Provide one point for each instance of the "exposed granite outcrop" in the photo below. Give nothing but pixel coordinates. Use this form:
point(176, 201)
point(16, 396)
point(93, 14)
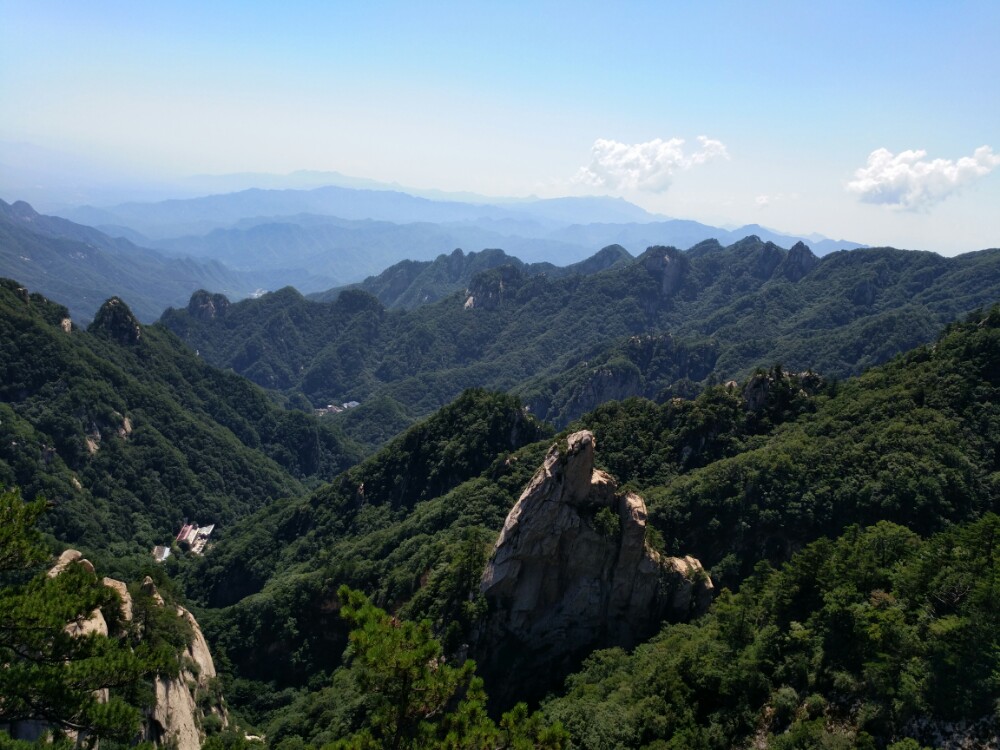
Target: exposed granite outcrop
point(798, 262)
point(669, 265)
point(571, 571)
point(764, 389)
point(175, 720)
point(207, 306)
point(490, 289)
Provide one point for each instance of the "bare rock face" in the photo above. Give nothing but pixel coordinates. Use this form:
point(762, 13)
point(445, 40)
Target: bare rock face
point(669, 265)
point(176, 719)
point(798, 262)
point(489, 290)
point(207, 306)
point(122, 590)
point(571, 570)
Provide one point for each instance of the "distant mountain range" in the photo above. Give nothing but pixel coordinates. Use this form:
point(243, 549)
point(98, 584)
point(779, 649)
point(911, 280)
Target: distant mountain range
point(318, 239)
point(339, 235)
point(82, 266)
point(199, 215)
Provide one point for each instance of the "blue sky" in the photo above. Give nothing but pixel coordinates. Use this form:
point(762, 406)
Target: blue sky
point(790, 99)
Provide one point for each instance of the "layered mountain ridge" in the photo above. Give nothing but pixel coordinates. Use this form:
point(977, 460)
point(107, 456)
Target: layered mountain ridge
point(82, 266)
point(666, 322)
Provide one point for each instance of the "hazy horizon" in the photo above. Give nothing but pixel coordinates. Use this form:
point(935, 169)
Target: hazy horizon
point(872, 124)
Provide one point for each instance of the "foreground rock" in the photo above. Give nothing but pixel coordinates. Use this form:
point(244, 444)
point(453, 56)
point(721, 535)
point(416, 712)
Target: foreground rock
point(178, 718)
point(571, 571)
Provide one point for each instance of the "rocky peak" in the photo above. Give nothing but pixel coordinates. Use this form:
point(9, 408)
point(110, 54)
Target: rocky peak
point(116, 321)
point(669, 265)
point(207, 306)
point(775, 389)
point(571, 570)
point(798, 262)
point(177, 717)
point(489, 290)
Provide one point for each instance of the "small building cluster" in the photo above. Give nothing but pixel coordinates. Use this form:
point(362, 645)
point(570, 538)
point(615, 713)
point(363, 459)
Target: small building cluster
point(192, 535)
point(336, 408)
point(195, 536)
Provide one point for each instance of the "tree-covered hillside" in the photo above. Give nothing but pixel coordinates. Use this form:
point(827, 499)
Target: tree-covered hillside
point(879, 638)
point(411, 283)
point(419, 513)
point(740, 476)
point(666, 323)
point(128, 432)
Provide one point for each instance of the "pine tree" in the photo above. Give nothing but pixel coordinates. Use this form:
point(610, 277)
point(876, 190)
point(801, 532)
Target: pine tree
point(47, 672)
point(418, 700)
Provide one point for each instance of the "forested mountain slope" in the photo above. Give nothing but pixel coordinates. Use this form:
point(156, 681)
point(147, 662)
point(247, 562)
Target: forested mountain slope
point(876, 639)
point(128, 433)
point(667, 322)
point(736, 476)
point(82, 267)
point(411, 283)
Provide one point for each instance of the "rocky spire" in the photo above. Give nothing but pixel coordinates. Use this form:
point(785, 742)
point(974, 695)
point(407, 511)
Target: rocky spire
point(571, 570)
point(116, 321)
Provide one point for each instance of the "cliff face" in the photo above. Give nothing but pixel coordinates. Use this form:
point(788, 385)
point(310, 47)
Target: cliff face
point(571, 570)
point(489, 290)
point(207, 306)
point(176, 720)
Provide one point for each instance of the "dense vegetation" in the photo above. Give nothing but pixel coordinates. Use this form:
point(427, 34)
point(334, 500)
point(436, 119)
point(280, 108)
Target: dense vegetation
point(411, 283)
point(128, 433)
point(872, 638)
point(667, 323)
point(397, 690)
point(736, 476)
point(853, 522)
point(411, 525)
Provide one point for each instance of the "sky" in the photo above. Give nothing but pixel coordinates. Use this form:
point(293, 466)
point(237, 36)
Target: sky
point(874, 122)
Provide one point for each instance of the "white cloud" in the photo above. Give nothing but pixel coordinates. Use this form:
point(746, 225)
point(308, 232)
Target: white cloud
point(908, 181)
point(763, 200)
point(647, 167)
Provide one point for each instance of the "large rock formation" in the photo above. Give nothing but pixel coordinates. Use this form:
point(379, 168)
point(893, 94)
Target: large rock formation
point(572, 571)
point(115, 320)
point(490, 289)
point(207, 306)
point(669, 265)
point(798, 262)
point(176, 720)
